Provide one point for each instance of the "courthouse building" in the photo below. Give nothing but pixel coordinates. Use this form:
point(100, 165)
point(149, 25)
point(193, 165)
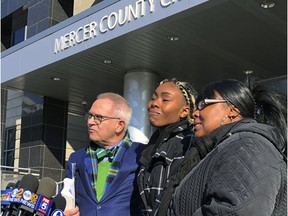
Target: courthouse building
point(58, 55)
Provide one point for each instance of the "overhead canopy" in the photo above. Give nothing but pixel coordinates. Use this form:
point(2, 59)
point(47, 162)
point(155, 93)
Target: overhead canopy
point(212, 40)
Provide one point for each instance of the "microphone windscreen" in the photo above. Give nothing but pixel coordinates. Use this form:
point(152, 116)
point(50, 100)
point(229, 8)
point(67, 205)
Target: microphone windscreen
point(59, 202)
point(30, 182)
point(47, 187)
point(10, 185)
point(17, 184)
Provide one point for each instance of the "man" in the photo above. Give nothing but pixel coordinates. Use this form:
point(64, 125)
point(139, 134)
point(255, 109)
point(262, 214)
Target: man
point(106, 184)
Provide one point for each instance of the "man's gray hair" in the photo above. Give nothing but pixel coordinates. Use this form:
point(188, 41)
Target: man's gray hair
point(121, 109)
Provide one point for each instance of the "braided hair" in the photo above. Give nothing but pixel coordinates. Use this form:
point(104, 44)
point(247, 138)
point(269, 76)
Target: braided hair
point(189, 93)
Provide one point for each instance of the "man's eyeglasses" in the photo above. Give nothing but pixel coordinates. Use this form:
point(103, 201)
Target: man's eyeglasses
point(98, 118)
point(205, 102)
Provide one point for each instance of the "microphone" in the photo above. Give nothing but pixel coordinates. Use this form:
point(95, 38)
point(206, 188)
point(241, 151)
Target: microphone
point(38, 203)
point(46, 189)
point(29, 182)
point(19, 195)
point(58, 206)
point(24, 196)
point(10, 185)
point(5, 195)
point(6, 206)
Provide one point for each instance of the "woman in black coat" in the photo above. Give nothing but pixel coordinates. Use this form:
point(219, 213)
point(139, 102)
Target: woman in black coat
point(170, 112)
point(244, 170)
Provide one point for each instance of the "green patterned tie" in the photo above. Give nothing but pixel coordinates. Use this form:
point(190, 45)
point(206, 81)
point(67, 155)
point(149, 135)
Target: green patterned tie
point(110, 153)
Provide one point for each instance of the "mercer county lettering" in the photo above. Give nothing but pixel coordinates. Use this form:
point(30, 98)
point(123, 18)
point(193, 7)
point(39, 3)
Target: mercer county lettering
point(108, 23)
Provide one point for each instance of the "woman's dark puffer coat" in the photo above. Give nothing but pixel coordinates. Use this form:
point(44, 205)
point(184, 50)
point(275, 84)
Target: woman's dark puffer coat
point(245, 174)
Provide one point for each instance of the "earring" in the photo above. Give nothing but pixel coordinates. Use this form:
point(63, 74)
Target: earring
point(222, 123)
point(231, 118)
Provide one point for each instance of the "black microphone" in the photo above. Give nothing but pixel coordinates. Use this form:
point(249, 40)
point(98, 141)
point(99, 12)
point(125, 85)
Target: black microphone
point(10, 185)
point(17, 185)
point(29, 182)
point(6, 206)
point(27, 186)
point(26, 192)
point(46, 189)
point(58, 206)
point(39, 203)
point(5, 195)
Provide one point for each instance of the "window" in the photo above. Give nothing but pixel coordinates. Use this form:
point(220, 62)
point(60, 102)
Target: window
point(19, 35)
point(67, 6)
point(14, 28)
point(9, 147)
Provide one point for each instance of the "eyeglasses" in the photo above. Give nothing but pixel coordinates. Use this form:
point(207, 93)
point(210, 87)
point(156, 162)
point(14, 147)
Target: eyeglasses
point(205, 102)
point(98, 118)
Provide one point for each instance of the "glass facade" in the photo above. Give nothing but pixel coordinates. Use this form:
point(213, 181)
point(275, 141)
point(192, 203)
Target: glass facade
point(23, 19)
point(34, 127)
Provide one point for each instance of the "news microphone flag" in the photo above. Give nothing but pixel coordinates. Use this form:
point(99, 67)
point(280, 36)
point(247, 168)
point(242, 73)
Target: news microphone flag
point(30, 202)
point(28, 182)
point(5, 195)
point(6, 207)
point(27, 201)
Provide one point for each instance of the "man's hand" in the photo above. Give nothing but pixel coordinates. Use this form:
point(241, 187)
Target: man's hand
point(72, 212)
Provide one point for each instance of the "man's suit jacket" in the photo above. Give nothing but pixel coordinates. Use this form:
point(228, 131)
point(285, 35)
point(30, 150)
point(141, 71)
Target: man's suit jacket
point(121, 198)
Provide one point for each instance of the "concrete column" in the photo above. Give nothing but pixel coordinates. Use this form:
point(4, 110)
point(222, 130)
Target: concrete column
point(138, 89)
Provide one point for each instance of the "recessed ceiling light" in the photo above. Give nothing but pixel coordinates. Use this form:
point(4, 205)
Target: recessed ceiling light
point(107, 61)
point(56, 78)
point(173, 38)
point(247, 72)
point(267, 4)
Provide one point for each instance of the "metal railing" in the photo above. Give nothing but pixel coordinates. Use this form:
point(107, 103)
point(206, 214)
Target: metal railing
point(13, 174)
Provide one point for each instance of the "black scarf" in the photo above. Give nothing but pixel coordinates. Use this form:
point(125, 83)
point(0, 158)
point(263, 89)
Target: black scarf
point(157, 138)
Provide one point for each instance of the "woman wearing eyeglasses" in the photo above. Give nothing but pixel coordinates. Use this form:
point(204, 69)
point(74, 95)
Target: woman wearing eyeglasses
point(170, 112)
point(243, 137)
